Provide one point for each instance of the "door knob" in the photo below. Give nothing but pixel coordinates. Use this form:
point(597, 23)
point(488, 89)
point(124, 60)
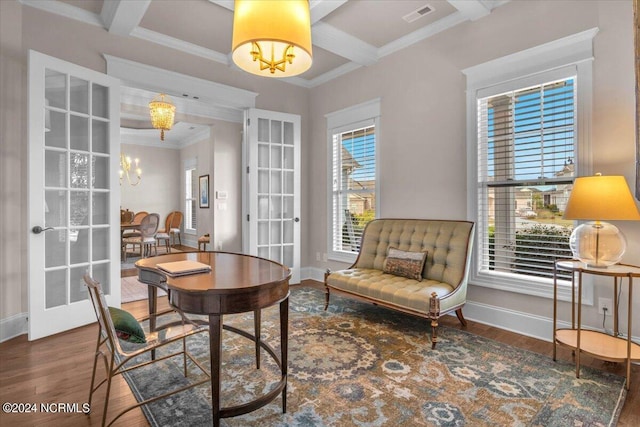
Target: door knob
point(37, 229)
point(296, 219)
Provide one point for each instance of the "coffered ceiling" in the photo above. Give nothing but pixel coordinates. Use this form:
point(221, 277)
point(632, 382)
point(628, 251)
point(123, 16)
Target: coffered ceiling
point(346, 35)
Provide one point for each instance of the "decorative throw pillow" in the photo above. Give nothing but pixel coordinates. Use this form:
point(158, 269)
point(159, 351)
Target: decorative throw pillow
point(127, 327)
point(405, 263)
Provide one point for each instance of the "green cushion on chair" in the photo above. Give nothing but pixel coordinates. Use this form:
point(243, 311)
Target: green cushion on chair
point(127, 327)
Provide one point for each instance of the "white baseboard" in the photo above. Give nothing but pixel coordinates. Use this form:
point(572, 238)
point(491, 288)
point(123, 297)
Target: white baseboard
point(13, 326)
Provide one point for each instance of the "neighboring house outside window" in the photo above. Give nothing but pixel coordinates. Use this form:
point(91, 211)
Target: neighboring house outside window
point(353, 190)
point(528, 135)
point(190, 197)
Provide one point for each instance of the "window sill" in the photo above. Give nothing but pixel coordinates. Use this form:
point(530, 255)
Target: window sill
point(347, 257)
point(542, 288)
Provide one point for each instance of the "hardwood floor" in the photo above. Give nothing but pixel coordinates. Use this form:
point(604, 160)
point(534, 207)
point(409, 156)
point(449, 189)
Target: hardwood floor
point(57, 369)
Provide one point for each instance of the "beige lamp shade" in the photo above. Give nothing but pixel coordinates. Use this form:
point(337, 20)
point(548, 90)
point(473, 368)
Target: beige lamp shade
point(601, 198)
point(272, 37)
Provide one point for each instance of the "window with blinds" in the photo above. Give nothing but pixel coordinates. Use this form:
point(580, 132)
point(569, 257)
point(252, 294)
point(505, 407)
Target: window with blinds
point(526, 168)
point(353, 186)
point(191, 192)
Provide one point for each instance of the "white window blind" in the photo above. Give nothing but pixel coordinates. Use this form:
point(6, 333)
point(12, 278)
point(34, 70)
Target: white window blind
point(526, 167)
point(353, 186)
point(191, 190)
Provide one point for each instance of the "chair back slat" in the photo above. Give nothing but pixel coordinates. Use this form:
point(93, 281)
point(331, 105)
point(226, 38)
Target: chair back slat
point(107, 328)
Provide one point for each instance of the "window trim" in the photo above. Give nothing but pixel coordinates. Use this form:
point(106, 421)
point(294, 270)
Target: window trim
point(360, 115)
point(572, 54)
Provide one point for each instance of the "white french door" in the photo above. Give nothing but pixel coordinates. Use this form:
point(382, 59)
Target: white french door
point(272, 185)
point(74, 192)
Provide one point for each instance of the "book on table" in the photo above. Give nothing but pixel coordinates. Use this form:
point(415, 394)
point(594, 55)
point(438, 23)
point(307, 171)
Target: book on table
point(182, 268)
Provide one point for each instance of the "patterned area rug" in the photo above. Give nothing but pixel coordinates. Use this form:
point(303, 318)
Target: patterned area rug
point(362, 365)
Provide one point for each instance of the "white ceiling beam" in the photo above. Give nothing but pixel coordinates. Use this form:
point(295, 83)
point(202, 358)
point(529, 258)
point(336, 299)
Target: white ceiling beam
point(471, 9)
point(343, 44)
point(321, 8)
point(121, 17)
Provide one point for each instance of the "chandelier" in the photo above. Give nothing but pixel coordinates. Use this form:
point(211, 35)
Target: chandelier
point(272, 37)
point(126, 169)
point(162, 112)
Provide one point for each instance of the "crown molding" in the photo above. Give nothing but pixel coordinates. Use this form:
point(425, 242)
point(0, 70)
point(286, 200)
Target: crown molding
point(66, 10)
point(138, 75)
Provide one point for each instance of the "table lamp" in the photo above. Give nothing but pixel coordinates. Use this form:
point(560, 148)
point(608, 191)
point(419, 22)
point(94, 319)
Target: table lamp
point(596, 199)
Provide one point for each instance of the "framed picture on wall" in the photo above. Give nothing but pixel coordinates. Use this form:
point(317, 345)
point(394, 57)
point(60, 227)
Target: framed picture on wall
point(204, 191)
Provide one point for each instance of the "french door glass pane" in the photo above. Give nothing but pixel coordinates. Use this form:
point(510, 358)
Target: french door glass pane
point(55, 91)
point(263, 181)
point(56, 135)
point(100, 101)
point(77, 289)
point(276, 132)
point(276, 157)
point(55, 248)
point(100, 244)
point(276, 233)
point(100, 208)
point(287, 255)
point(263, 233)
point(79, 245)
point(287, 235)
point(263, 155)
point(55, 208)
point(55, 288)
point(276, 182)
point(79, 133)
point(100, 173)
point(100, 136)
point(100, 272)
point(79, 95)
point(263, 130)
point(55, 168)
point(79, 208)
point(288, 133)
point(79, 170)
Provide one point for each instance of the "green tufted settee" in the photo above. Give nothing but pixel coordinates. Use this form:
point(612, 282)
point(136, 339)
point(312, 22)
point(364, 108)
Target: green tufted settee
point(443, 287)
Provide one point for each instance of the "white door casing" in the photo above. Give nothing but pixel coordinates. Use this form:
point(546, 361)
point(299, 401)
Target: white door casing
point(271, 148)
point(74, 192)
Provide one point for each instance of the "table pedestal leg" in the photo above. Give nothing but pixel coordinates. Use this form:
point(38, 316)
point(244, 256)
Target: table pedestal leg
point(215, 351)
point(256, 330)
point(284, 347)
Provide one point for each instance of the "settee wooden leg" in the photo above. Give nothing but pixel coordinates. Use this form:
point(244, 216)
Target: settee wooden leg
point(434, 315)
point(434, 333)
point(461, 317)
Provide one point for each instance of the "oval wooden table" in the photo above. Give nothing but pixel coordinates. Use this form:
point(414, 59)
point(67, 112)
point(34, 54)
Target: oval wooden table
point(236, 284)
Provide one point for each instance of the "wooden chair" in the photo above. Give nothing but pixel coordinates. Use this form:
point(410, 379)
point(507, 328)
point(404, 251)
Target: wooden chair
point(137, 218)
point(162, 236)
point(115, 358)
point(147, 238)
point(171, 229)
point(174, 229)
point(126, 216)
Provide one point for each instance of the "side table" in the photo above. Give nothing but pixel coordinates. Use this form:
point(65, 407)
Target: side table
point(600, 345)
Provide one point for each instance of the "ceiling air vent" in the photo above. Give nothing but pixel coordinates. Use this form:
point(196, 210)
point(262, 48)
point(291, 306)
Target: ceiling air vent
point(419, 13)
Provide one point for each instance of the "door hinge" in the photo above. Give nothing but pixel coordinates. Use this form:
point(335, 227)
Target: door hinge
point(248, 122)
point(247, 217)
point(247, 169)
